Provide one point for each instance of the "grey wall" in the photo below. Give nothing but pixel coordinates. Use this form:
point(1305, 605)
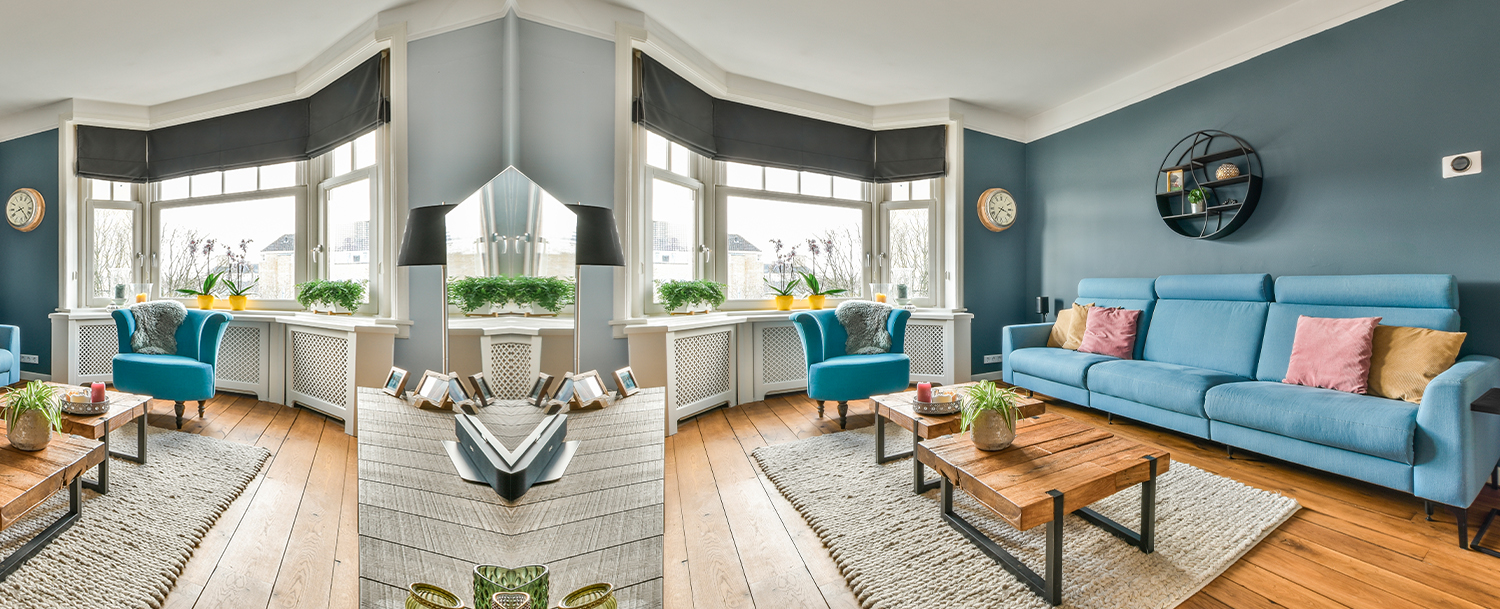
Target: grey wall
point(994, 263)
point(1351, 124)
point(30, 259)
point(501, 93)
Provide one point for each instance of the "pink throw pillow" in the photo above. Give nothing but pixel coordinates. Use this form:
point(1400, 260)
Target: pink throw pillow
point(1110, 332)
point(1332, 353)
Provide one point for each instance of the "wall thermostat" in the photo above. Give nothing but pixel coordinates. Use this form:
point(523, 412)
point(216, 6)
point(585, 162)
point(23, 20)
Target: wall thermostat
point(1461, 164)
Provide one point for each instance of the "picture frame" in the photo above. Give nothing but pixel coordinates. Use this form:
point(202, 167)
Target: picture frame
point(1174, 180)
point(589, 391)
point(537, 396)
point(625, 382)
point(395, 383)
point(564, 393)
point(432, 389)
point(482, 392)
point(457, 391)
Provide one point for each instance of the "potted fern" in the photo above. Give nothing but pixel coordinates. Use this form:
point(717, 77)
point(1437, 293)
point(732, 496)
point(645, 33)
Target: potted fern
point(470, 294)
point(545, 295)
point(991, 413)
point(815, 292)
point(686, 297)
point(31, 414)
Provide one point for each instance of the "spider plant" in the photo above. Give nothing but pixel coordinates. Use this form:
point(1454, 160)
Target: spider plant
point(986, 396)
point(38, 396)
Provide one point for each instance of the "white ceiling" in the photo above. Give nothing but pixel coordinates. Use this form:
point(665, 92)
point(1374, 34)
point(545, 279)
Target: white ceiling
point(146, 52)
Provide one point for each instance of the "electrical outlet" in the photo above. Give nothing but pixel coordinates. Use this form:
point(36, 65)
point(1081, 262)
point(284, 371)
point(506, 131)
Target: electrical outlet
point(28, 359)
point(992, 359)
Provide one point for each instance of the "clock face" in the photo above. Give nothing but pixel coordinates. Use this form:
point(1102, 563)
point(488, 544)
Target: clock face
point(997, 209)
point(24, 209)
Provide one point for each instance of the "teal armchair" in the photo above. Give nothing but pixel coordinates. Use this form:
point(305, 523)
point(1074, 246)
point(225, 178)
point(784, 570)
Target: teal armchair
point(187, 376)
point(834, 376)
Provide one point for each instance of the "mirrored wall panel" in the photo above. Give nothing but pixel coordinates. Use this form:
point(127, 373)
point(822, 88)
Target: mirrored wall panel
point(511, 227)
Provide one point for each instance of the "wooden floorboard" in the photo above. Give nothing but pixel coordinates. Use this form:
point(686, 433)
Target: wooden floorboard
point(739, 543)
point(290, 539)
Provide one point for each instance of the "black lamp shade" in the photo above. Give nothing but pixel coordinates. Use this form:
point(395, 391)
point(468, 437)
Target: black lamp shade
point(598, 241)
point(426, 240)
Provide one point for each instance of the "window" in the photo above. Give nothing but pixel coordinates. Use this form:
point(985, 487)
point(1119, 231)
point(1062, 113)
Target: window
point(269, 227)
point(772, 223)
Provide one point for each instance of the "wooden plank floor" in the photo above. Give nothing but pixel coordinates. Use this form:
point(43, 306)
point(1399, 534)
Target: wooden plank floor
point(290, 539)
point(732, 540)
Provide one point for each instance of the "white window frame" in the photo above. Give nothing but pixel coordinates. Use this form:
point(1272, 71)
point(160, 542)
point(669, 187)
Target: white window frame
point(319, 224)
point(934, 256)
point(137, 231)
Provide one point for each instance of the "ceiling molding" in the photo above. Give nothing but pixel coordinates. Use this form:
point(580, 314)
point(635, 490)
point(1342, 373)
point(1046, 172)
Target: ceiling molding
point(35, 120)
point(1248, 41)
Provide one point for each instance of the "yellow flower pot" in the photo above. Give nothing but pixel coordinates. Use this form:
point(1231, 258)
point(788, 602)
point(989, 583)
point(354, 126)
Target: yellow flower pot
point(784, 303)
point(816, 301)
point(238, 303)
point(205, 301)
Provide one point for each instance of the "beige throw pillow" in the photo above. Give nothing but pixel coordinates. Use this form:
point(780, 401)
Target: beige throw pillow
point(1405, 360)
point(1067, 331)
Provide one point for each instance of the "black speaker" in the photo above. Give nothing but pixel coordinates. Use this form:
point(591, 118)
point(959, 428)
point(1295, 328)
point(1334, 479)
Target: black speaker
point(1043, 305)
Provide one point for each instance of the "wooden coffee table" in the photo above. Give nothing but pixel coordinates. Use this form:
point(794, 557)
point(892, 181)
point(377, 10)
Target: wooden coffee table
point(1055, 467)
point(123, 408)
point(897, 408)
point(29, 478)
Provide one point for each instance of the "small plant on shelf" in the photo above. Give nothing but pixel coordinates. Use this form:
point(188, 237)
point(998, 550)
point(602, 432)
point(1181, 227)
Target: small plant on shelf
point(1197, 197)
point(473, 293)
point(549, 293)
point(346, 293)
point(239, 294)
point(204, 294)
point(677, 294)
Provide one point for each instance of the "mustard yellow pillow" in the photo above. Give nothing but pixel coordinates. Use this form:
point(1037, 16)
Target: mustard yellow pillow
point(1067, 332)
point(1405, 360)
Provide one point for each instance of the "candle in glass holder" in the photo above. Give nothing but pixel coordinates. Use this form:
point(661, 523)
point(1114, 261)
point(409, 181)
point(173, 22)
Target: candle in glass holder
point(140, 297)
point(98, 392)
point(879, 297)
point(924, 392)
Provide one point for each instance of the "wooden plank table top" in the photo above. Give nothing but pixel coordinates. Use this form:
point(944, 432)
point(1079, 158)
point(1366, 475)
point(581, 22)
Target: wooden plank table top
point(897, 407)
point(1051, 452)
point(28, 478)
point(602, 522)
point(123, 408)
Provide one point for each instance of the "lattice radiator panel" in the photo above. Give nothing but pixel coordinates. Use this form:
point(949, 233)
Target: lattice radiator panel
point(702, 366)
point(239, 355)
point(97, 347)
point(924, 344)
point(512, 375)
point(781, 356)
point(319, 367)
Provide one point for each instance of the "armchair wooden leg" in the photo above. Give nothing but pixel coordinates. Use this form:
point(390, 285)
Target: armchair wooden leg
point(178, 407)
point(843, 415)
point(201, 404)
point(820, 409)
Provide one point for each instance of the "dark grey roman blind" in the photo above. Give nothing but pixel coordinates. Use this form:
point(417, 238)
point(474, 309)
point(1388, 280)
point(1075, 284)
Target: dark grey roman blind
point(724, 130)
point(291, 131)
point(112, 154)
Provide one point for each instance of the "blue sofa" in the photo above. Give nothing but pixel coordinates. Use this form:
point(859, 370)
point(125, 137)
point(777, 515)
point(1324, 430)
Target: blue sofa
point(1214, 349)
point(10, 355)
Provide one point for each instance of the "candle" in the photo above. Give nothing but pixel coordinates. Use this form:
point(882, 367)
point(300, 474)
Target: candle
point(879, 297)
point(98, 392)
point(140, 297)
point(924, 392)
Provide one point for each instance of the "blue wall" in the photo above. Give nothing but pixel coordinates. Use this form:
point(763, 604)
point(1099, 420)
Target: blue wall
point(511, 92)
point(30, 259)
point(995, 278)
point(1351, 124)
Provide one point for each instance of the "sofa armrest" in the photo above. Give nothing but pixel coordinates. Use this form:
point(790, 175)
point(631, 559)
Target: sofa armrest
point(896, 326)
point(124, 328)
point(811, 335)
point(1456, 448)
point(212, 334)
point(1020, 337)
point(10, 340)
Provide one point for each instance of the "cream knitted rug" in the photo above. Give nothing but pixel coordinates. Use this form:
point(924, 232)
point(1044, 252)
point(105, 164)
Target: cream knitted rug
point(896, 552)
point(130, 545)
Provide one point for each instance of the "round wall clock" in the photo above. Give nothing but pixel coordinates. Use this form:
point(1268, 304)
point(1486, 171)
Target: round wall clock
point(24, 209)
point(997, 209)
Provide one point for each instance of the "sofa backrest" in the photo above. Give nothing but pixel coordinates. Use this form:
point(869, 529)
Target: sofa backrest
point(1420, 301)
point(1126, 293)
point(1209, 321)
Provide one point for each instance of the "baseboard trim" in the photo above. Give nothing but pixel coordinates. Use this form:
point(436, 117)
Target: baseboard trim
point(35, 376)
point(988, 376)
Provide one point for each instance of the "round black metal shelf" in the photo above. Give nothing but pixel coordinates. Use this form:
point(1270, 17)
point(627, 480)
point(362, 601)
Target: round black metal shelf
point(1228, 202)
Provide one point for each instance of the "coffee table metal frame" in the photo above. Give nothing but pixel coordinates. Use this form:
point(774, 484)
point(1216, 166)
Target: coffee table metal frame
point(30, 548)
point(101, 484)
point(919, 483)
point(1050, 586)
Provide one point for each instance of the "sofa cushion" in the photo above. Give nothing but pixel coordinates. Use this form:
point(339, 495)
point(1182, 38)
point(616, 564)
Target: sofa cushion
point(1136, 294)
point(1067, 331)
point(1111, 332)
point(1169, 386)
point(1332, 353)
point(164, 377)
point(856, 377)
point(1405, 360)
point(1360, 423)
point(1056, 365)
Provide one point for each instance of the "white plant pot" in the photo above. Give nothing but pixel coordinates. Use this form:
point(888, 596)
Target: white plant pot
point(31, 431)
point(539, 310)
point(989, 431)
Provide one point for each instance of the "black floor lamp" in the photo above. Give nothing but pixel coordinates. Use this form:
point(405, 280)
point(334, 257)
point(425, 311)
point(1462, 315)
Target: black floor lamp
point(598, 244)
point(426, 244)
